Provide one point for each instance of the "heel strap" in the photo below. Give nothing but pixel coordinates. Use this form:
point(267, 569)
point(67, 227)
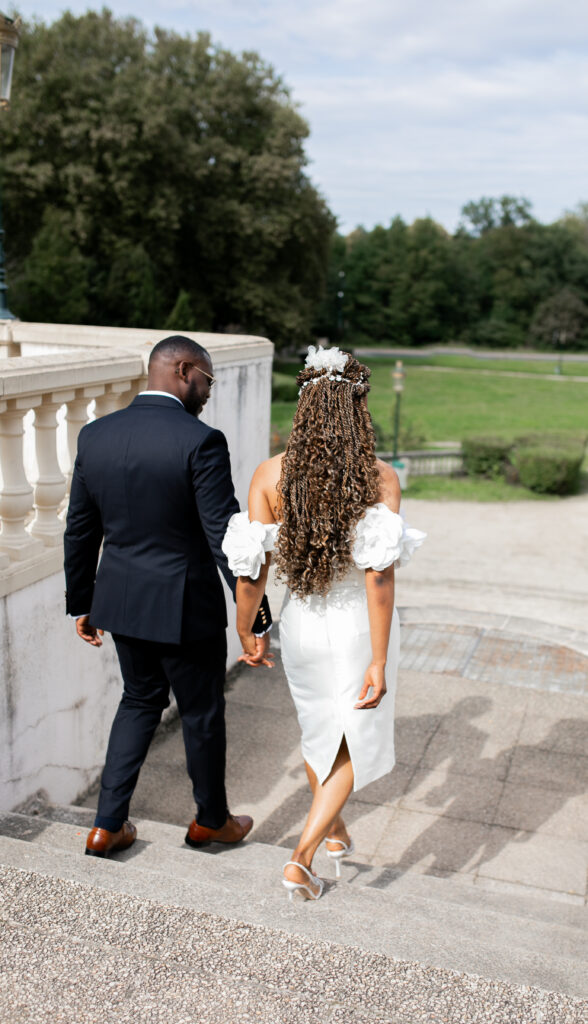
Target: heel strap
point(294, 863)
point(340, 841)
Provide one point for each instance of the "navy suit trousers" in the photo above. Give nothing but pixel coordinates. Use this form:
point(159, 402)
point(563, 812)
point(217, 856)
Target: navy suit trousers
point(196, 675)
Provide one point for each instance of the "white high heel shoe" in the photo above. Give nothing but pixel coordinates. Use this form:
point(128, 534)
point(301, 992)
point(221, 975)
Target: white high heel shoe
point(337, 855)
point(304, 890)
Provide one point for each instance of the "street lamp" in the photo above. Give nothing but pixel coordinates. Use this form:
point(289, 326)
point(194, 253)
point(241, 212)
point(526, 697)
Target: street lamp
point(398, 376)
point(401, 468)
point(340, 296)
point(9, 33)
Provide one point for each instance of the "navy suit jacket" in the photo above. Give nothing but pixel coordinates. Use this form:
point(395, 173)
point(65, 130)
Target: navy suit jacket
point(153, 483)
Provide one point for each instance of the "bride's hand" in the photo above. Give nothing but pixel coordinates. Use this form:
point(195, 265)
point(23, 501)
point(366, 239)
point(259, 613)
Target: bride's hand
point(375, 680)
point(256, 650)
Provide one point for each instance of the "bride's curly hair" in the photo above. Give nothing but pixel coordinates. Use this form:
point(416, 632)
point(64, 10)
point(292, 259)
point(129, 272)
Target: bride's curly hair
point(328, 478)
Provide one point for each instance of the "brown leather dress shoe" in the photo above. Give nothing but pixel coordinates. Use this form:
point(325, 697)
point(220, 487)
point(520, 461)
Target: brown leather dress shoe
point(235, 828)
point(101, 842)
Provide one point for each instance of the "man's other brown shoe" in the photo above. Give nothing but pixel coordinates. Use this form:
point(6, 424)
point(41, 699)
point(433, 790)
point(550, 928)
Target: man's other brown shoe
point(101, 842)
point(235, 828)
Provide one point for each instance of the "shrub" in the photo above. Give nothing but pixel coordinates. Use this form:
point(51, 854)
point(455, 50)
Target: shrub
point(485, 456)
point(549, 470)
point(284, 388)
point(497, 333)
point(551, 439)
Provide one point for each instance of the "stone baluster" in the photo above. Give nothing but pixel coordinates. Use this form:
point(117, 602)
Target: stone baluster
point(107, 402)
point(137, 385)
point(126, 391)
point(76, 418)
point(116, 396)
point(9, 348)
point(50, 486)
point(16, 496)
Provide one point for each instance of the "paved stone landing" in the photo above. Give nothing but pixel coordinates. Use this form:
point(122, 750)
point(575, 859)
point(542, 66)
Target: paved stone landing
point(490, 785)
point(487, 656)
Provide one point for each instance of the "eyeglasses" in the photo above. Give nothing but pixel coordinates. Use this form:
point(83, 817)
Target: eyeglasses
point(210, 377)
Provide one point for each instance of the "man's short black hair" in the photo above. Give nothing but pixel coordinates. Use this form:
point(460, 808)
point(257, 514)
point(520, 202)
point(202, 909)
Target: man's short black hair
point(178, 347)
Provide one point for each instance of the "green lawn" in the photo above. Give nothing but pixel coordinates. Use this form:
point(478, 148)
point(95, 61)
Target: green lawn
point(579, 369)
point(450, 488)
point(451, 406)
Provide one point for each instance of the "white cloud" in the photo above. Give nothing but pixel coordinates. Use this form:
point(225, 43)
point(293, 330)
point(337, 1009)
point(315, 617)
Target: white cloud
point(416, 107)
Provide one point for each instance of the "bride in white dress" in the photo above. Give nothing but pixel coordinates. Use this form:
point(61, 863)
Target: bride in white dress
point(328, 509)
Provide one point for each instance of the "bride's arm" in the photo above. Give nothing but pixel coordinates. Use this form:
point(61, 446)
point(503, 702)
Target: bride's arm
point(249, 595)
point(380, 598)
point(249, 591)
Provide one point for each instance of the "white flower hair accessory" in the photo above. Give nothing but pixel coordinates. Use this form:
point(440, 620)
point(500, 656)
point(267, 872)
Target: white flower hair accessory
point(325, 358)
point(333, 360)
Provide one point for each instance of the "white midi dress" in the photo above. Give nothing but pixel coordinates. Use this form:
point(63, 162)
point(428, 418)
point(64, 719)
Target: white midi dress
point(325, 644)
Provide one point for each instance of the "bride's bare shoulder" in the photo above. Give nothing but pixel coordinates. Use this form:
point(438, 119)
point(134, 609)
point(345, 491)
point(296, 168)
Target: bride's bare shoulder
point(268, 472)
point(263, 490)
point(389, 488)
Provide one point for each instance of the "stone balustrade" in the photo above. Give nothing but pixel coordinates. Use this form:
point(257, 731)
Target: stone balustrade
point(57, 694)
point(62, 391)
point(430, 462)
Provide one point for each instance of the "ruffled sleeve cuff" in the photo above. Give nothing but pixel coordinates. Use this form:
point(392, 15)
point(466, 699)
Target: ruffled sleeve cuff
point(245, 544)
point(382, 538)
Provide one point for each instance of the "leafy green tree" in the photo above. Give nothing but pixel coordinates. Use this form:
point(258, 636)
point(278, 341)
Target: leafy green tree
point(130, 286)
point(434, 287)
point(179, 165)
point(375, 269)
point(518, 269)
point(54, 282)
point(561, 319)
point(485, 214)
point(182, 317)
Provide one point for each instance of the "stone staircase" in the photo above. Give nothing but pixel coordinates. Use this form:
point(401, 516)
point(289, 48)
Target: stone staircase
point(161, 932)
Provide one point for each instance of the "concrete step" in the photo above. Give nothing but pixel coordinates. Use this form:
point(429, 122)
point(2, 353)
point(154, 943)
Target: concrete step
point(518, 940)
point(88, 952)
point(161, 844)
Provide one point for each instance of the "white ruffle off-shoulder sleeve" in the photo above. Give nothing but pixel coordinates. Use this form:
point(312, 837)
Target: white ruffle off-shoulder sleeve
point(382, 538)
point(245, 544)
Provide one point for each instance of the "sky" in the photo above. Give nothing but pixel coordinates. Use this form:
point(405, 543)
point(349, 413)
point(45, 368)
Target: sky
point(414, 108)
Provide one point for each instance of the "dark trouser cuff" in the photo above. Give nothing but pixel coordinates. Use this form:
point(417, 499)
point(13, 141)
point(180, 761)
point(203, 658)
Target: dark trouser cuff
point(110, 824)
point(209, 820)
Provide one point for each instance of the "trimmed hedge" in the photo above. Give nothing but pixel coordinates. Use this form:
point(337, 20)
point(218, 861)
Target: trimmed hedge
point(547, 469)
point(485, 456)
point(548, 463)
point(284, 388)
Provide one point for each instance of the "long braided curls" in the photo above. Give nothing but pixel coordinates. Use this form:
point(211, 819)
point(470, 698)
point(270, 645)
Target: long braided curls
point(328, 478)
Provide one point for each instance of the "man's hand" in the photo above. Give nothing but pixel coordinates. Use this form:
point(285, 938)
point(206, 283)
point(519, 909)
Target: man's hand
point(87, 632)
point(375, 680)
point(256, 650)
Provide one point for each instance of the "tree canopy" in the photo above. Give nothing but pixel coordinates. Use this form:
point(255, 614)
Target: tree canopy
point(502, 280)
point(158, 180)
point(152, 178)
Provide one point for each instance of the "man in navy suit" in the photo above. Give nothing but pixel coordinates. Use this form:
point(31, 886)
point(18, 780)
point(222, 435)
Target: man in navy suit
point(152, 484)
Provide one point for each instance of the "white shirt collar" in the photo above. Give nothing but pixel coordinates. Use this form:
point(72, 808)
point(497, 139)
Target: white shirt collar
point(162, 394)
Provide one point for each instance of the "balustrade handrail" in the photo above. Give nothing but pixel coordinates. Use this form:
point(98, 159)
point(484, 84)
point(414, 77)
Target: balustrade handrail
point(22, 376)
point(14, 335)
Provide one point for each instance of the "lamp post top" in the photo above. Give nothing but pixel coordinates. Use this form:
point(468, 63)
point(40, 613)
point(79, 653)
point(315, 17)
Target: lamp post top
point(9, 30)
point(398, 376)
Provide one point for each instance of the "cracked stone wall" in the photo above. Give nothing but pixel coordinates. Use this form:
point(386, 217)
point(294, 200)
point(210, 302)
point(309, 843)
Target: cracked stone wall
point(58, 696)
